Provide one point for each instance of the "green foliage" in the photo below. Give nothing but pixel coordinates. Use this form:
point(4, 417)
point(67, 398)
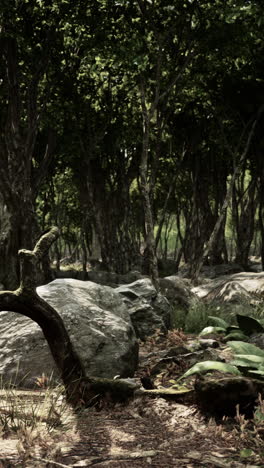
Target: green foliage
point(239, 347)
point(218, 322)
point(247, 326)
point(211, 330)
point(196, 318)
point(248, 360)
point(86, 68)
point(206, 366)
point(236, 335)
point(178, 318)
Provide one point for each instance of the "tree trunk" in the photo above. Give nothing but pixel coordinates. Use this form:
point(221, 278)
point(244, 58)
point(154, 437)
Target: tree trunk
point(150, 260)
point(8, 265)
point(17, 143)
point(245, 223)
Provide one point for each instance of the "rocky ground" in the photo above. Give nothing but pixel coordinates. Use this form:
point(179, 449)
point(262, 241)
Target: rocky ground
point(146, 432)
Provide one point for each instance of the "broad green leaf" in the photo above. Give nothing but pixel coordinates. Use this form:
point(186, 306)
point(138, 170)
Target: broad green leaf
point(251, 357)
point(240, 347)
point(249, 325)
point(256, 371)
point(211, 366)
point(236, 335)
point(247, 360)
point(232, 328)
point(209, 330)
point(218, 322)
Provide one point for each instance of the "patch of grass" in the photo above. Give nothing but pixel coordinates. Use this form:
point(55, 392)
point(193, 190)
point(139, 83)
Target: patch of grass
point(197, 318)
point(178, 317)
point(36, 418)
point(20, 410)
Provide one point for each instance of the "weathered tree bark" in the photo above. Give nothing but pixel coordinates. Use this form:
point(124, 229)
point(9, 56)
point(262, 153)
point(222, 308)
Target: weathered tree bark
point(19, 183)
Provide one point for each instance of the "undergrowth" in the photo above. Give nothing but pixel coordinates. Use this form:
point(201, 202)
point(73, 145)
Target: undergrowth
point(196, 319)
point(35, 418)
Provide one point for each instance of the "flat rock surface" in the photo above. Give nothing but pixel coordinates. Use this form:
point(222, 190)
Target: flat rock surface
point(252, 283)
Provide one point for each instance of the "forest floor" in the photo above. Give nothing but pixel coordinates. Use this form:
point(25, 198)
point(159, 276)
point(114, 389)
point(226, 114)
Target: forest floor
point(145, 432)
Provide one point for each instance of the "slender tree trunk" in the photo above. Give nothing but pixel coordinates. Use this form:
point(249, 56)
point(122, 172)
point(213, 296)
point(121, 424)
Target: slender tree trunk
point(150, 259)
point(245, 227)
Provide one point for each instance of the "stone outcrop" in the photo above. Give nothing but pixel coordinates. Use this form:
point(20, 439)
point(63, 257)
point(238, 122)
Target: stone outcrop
point(148, 309)
point(245, 286)
point(97, 321)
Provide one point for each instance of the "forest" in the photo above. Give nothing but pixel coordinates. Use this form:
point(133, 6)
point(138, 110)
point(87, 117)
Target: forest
point(131, 153)
point(136, 128)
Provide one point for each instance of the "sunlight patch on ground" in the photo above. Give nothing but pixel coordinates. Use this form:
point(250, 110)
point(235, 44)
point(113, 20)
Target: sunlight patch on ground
point(116, 436)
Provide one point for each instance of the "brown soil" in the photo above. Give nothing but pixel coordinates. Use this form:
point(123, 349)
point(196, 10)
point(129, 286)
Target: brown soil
point(146, 432)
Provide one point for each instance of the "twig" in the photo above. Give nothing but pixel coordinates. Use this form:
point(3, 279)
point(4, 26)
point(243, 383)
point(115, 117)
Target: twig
point(45, 460)
point(94, 460)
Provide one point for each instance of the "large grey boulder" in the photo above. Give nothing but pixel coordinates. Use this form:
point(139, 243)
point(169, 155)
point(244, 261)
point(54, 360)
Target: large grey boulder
point(106, 278)
point(98, 323)
point(148, 309)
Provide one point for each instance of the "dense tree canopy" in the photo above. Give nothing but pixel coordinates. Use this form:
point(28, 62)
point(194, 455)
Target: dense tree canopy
point(135, 126)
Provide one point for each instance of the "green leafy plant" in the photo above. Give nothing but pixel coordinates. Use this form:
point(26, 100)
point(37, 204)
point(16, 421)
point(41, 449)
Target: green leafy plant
point(202, 367)
point(248, 360)
point(212, 330)
point(246, 327)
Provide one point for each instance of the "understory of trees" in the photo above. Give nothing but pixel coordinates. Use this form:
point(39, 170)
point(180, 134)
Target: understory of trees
point(137, 127)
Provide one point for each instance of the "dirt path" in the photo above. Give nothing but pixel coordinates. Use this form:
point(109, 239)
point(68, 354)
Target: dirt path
point(150, 433)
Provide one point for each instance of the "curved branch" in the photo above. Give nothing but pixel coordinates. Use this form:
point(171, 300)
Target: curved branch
point(26, 301)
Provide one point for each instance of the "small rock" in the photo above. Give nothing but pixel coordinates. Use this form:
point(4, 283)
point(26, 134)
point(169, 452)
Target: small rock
point(208, 343)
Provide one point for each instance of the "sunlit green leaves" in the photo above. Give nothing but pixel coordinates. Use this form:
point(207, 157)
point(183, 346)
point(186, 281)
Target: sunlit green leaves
point(206, 366)
point(240, 347)
point(211, 330)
